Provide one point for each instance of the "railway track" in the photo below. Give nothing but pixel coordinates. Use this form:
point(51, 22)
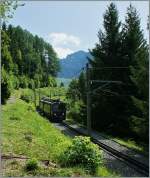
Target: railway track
point(138, 166)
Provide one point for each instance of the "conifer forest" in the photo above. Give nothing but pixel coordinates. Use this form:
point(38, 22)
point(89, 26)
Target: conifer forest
point(108, 96)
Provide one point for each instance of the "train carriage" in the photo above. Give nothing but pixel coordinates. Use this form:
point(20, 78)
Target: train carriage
point(55, 110)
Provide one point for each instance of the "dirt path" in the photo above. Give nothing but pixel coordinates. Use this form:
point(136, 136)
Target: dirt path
point(12, 99)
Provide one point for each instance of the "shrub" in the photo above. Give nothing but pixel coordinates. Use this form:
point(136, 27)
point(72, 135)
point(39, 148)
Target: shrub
point(77, 112)
point(13, 81)
point(74, 111)
point(23, 82)
point(82, 152)
point(26, 97)
point(31, 165)
point(31, 84)
point(30, 108)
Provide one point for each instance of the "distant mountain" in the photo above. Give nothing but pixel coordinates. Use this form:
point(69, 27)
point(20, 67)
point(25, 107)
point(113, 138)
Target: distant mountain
point(73, 64)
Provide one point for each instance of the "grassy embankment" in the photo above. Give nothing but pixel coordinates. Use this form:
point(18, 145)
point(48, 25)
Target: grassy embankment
point(26, 133)
point(60, 92)
point(128, 142)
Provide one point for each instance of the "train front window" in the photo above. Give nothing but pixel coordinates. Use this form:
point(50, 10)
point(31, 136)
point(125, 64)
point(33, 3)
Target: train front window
point(58, 107)
point(55, 107)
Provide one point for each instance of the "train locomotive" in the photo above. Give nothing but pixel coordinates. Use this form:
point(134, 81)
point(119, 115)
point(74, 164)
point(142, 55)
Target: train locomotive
point(54, 110)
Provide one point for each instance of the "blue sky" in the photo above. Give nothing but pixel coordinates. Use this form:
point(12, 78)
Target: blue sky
point(71, 26)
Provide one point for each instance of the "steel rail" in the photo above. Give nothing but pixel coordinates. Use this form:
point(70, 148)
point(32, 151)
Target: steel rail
point(140, 167)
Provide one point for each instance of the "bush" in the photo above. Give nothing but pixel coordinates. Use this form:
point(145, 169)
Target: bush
point(30, 108)
point(74, 111)
point(31, 84)
point(31, 165)
point(82, 152)
point(13, 81)
point(23, 82)
point(77, 112)
point(25, 98)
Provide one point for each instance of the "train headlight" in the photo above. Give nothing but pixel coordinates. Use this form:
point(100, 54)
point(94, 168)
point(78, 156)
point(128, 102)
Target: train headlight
point(63, 114)
point(55, 114)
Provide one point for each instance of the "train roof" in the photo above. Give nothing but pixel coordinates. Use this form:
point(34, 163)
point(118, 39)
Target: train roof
point(51, 101)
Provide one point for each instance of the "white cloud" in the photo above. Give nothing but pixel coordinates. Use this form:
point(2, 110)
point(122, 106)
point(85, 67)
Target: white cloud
point(59, 39)
point(62, 52)
point(63, 43)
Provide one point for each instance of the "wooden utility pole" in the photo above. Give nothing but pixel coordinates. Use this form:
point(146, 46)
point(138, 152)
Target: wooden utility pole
point(88, 100)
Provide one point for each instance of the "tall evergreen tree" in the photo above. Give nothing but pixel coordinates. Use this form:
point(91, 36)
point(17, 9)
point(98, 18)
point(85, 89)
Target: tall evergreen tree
point(122, 106)
point(107, 53)
point(23, 58)
point(6, 55)
point(136, 52)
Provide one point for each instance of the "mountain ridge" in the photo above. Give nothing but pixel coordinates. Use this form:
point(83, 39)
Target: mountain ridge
point(73, 64)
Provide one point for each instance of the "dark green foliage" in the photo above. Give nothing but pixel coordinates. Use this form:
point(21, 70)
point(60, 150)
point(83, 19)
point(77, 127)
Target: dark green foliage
point(73, 91)
point(83, 114)
point(31, 165)
point(82, 86)
point(52, 82)
point(83, 152)
point(117, 108)
point(74, 111)
point(23, 56)
point(136, 50)
point(23, 81)
point(107, 105)
point(61, 84)
point(27, 97)
point(6, 55)
point(27, 52)
point(77, 96)
point(5, 87)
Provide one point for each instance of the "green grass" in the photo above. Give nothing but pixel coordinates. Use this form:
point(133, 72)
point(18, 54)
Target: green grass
point(60, 92)
point(141, 148)
point(25, 133)
point(73, 117)
point(133, 145)
point(47, 142)
point(17, 169)
point(104, 172)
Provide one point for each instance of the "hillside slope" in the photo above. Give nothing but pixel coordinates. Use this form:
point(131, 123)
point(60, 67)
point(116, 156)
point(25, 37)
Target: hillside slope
point(73, 64)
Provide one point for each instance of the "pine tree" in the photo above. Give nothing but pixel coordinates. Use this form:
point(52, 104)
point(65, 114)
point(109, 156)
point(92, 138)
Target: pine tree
point(136, 51)
point(6, 55)
point(107, 53)
point(82, 86)
point(61, 84)
point(73, 91)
